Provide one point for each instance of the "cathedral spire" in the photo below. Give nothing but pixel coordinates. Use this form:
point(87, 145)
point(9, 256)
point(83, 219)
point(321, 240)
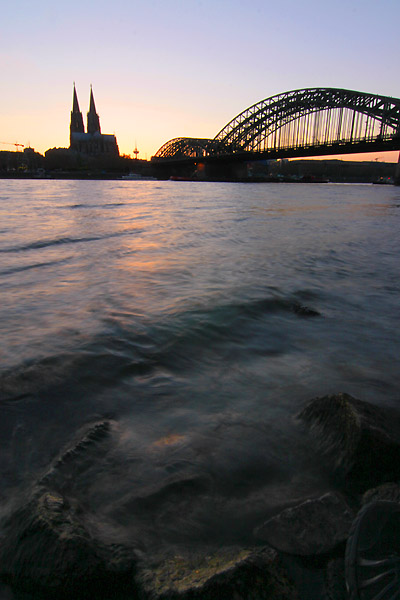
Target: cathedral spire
point(76, 125)
point(75, 103)
point(93, 121)
point(92, 106)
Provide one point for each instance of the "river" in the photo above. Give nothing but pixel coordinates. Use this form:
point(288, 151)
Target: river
point(197, 318)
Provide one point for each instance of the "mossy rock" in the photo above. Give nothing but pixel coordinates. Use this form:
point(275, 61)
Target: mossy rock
point(226, 574)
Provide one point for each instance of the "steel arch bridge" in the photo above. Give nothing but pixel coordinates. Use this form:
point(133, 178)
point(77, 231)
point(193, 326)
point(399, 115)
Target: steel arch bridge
point(313, 121)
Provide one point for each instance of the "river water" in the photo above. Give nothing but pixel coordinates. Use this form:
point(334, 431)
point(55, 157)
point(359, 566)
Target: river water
point(197, 318)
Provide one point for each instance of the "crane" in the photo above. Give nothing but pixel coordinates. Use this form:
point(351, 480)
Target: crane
point(12, 144)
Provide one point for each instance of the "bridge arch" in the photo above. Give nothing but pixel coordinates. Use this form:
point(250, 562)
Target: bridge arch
point(191, 148)
point(312, 117)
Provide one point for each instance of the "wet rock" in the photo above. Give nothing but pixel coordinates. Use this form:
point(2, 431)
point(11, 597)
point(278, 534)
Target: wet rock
point(46, 549)
point(387, 491)
point(89, 446)
point(362, 441)
point(313, 527)
point(228, 574)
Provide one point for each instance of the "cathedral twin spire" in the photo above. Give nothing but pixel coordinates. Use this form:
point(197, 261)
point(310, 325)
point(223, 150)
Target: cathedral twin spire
point(76, 125)
point(93, 142)
point(93, 121)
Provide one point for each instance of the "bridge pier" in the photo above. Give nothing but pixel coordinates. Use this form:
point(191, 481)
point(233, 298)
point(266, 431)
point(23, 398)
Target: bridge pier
point(225, 171)
point(397, 173)
point(202, 170)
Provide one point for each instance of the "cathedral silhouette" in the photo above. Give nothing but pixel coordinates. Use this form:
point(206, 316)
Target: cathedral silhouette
point(93, 142)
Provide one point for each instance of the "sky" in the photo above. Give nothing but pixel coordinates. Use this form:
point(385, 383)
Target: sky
point(162, 69)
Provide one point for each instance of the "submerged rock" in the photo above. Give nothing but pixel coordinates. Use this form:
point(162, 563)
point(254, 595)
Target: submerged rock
point(362, 441)
point(304, 311)
point(313, 527)
point(228, 574)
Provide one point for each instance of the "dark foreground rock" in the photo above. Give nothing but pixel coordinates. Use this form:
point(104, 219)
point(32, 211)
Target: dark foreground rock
point(311, 528)
point(228, 574)
point(47, 551)
point(49, 546)
point(361, 441)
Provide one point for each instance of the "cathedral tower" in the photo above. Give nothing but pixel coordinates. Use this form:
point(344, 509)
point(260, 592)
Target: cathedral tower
point(76, 125)
point(93, 142)
point(93, 121)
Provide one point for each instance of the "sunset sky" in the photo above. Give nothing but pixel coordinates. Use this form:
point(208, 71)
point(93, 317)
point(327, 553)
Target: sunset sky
point(168, 68)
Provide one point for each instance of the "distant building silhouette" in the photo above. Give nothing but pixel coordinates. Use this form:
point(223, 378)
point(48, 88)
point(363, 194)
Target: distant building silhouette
point(92, 143)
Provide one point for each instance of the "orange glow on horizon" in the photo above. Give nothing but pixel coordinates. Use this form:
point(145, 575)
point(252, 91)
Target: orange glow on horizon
point(390, 157)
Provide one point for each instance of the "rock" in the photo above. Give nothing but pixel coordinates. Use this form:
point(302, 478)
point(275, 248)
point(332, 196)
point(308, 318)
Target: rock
point(91, 444)
point(227, 574)
point(313, 527)
point(387, 491)
point(362, 441)
point(47, 550)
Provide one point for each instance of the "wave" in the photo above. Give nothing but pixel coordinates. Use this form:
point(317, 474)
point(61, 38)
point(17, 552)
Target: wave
point(275, 304)
point(106, 205)
point(49, 263)
point(65, 240)
point(176, 342)
point(237, 329)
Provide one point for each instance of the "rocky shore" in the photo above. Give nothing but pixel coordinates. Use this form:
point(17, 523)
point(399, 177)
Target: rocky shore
point(48, 550)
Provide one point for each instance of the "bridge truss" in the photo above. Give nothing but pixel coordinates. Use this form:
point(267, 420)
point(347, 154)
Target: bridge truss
point(315, 119)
